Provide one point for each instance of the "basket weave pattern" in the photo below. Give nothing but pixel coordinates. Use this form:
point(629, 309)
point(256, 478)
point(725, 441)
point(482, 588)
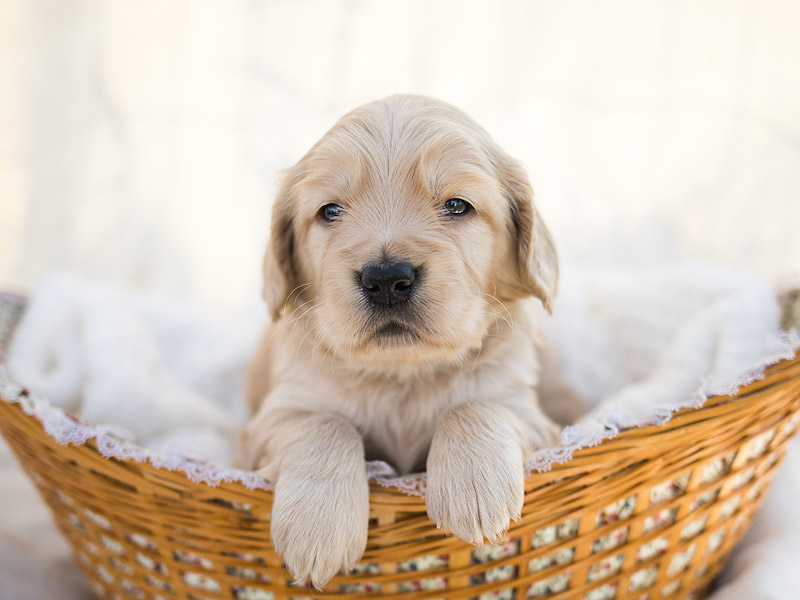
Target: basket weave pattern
point(650, 514)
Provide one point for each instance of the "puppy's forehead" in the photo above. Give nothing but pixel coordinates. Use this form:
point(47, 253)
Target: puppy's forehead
point(377, 148)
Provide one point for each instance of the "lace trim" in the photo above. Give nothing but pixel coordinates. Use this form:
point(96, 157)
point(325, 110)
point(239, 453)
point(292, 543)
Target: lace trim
point(609, 424)
point(115, 442)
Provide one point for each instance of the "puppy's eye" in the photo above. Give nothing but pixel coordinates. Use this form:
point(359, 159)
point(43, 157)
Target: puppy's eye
point(457, 206)
point(331, 212)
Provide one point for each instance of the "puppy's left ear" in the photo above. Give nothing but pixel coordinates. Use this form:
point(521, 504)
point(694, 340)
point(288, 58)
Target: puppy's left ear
point(537, 262)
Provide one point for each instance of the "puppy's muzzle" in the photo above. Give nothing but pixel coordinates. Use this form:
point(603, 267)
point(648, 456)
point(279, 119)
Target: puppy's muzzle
point(388, 283)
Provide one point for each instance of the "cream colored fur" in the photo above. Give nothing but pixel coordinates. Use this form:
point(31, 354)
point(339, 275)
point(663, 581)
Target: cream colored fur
point(457, 394)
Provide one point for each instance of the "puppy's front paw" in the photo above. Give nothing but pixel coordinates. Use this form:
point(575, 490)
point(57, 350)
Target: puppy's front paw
point(319, 527)
point(475, 495)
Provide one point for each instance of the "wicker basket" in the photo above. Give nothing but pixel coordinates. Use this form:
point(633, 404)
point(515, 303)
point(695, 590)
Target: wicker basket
point(653, 513)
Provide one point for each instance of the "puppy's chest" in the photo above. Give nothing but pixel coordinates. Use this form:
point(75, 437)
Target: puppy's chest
point(398, 423)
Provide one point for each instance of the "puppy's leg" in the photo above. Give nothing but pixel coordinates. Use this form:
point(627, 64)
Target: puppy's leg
point(475, 471)
point(321, 508)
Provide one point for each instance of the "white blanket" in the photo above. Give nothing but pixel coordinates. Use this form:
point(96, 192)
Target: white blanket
point(170, 376)
point(630, 347)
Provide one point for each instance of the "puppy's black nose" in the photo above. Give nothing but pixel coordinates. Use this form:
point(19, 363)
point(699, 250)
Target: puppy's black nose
point(388, 283)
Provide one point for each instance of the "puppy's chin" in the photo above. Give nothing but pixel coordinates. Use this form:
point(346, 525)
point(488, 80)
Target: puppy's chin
point(395, 345)
point(401, 354)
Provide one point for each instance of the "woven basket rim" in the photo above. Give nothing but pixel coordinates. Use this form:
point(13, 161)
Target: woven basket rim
point(590, 467)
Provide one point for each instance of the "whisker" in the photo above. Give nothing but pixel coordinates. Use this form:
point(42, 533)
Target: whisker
point(289, 317)
point(314, 343)
point(497, 317)
point(510, 319)
point(300, 345)
point(297, 290)
point(319, 368)
point(281, 327)
point(300, 317)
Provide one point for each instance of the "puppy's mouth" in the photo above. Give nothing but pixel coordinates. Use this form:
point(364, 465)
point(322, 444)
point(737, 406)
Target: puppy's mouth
point(394, 331)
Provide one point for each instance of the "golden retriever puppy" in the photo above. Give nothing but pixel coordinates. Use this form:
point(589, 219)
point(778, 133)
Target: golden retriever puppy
point(404, 248)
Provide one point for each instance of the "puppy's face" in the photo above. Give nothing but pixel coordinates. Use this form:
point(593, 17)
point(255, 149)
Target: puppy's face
point(403, 231)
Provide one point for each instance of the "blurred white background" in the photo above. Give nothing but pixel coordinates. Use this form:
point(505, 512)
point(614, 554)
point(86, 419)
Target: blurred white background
point(140, 142)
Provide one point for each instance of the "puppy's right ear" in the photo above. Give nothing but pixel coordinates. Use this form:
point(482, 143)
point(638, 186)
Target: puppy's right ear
point(280, 278)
